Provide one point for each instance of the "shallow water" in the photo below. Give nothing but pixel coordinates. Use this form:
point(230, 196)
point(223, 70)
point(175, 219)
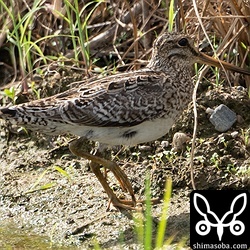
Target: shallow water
point(14, 238)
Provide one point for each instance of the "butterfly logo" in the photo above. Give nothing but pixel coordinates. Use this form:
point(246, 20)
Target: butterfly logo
point(203, 227)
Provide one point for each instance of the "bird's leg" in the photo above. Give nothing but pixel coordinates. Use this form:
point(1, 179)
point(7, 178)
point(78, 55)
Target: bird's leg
point(126, 204)
point(76, 147)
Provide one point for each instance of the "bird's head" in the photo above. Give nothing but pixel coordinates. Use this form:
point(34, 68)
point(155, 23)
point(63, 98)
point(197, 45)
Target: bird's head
point(171, 48)
point(178, 50)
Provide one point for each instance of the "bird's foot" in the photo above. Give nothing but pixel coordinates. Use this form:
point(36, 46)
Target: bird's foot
point(96, 162)
point(122, 204)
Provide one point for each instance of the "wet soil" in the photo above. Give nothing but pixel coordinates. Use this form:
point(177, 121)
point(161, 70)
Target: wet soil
point(48, 192)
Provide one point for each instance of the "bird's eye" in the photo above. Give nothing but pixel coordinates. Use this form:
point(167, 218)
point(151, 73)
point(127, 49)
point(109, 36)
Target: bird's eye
point(183, 42)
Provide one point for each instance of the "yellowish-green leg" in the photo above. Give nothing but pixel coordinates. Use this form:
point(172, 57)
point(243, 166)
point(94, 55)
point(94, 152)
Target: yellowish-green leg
point(76, 147)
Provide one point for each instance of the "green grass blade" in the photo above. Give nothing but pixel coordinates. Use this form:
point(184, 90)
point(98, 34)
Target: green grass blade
point(62, 172)
point(139, 226)
point(171, 16)
point(39, 179)
point(43, 187)
point(163, 220)
point(148, 217)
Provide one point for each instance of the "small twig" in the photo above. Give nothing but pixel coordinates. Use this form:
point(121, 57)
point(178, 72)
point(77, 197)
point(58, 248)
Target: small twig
point(145, 13)
point(119, 23)
point(194, 135)
point(107, 36)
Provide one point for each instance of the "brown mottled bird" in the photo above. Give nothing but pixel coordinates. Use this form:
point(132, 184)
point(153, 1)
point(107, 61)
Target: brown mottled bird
point(123, 109)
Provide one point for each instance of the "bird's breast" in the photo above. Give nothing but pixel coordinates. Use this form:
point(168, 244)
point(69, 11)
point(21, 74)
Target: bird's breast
point(144, 132)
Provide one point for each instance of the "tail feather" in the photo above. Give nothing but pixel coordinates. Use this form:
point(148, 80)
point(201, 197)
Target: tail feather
point(7, 113)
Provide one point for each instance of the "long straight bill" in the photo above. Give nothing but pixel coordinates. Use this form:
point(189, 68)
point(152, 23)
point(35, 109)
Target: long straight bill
point(203, 58)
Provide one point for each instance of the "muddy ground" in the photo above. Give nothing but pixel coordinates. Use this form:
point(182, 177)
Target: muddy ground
point(68, 208)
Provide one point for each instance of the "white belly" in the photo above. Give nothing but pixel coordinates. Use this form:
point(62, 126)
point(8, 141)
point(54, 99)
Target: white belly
point(144, 132)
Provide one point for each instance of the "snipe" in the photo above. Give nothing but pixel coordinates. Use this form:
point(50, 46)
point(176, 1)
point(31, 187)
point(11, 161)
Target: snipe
point(123, 109)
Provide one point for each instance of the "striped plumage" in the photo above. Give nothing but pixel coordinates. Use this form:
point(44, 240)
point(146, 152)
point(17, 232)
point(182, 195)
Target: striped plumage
point(123, 109)
point(127, 108)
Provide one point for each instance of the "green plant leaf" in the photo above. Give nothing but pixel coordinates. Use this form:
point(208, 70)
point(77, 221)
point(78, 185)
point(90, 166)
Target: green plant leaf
point(62, 171)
